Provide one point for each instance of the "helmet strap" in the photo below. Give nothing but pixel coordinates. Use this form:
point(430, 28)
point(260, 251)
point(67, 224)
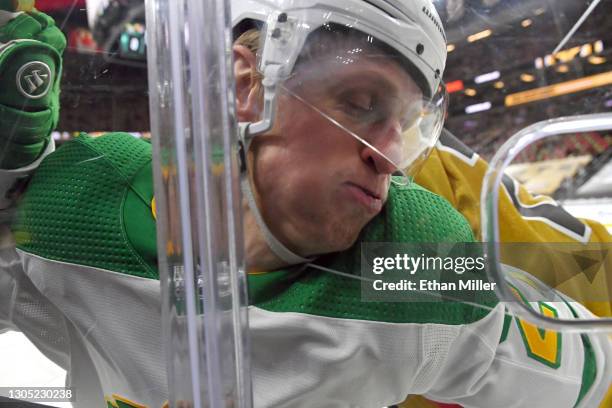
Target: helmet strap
point(277, 247)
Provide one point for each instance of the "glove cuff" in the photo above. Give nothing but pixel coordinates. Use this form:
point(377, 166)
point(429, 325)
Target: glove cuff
point(12, 180)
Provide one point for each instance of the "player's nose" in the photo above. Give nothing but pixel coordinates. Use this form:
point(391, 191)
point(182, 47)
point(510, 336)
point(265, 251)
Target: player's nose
point(384, 152)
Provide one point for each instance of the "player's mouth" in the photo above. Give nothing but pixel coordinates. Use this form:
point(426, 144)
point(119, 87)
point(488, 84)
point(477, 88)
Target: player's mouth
point(370, 200)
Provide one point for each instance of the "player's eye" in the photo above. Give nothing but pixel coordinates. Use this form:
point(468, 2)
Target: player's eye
point(358, 105)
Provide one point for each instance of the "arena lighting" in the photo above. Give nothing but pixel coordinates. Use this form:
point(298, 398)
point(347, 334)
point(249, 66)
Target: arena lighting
point(563, 88)
point(586, 50)
point(470, 92)
point(526, 22)
point(569, 54)
point(490, 76)
point(479, 107)
point(527, 78)
point(563, 69)
point(539, 11)
point(454, 86)
point(450, 48)
point(499, 85)
point(480, 35)
point(539, 63)
point(596, 60)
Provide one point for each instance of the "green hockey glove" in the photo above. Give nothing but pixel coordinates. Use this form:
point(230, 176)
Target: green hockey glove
point(30, 69)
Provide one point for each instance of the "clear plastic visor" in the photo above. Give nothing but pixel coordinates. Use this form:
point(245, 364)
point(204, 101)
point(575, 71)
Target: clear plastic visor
point(373, 96)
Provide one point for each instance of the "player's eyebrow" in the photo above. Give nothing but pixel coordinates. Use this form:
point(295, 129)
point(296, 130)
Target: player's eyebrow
point(373, 79)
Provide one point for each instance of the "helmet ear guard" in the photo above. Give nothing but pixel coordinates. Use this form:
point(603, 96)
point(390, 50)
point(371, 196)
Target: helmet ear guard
point(280, 39)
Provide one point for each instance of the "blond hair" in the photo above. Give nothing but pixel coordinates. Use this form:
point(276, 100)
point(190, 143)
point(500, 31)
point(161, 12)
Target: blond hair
point(250, 39)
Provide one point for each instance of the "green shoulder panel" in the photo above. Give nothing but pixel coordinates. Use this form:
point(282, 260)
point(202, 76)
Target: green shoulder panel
point(412, 214)
point(88, 204)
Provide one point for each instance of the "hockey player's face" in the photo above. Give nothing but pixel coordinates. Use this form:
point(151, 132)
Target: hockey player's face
point(319, 186)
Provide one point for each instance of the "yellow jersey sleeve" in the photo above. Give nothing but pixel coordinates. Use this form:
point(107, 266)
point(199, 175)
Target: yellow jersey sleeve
point(455, 172)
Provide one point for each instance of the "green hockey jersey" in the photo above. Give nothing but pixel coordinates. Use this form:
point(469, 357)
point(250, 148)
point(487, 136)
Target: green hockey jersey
point(83, 287)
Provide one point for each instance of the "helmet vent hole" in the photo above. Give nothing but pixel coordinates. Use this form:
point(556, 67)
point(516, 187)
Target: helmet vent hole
point(420, 48)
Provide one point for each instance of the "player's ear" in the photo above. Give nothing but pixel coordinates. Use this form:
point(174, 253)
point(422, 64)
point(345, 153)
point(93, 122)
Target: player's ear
point(248, 84)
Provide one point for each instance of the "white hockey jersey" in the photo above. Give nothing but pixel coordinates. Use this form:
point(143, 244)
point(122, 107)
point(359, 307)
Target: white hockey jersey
point(82, 285)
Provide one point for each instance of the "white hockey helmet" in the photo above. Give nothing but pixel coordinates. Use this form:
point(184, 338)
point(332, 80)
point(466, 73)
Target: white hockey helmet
point(409, 29)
